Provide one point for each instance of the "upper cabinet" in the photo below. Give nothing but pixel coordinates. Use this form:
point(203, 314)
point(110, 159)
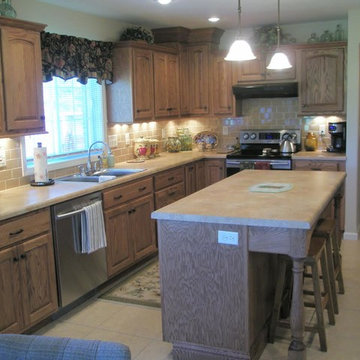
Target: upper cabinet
point(21, 99)
point(255, 70)
point(322, 80)
point(145, 83)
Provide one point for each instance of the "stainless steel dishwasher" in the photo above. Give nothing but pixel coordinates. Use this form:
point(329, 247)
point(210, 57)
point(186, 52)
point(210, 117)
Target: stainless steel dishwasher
point(77, 274)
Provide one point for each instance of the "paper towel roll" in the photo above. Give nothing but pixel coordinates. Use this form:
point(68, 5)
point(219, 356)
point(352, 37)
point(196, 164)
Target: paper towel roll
point(40, 164)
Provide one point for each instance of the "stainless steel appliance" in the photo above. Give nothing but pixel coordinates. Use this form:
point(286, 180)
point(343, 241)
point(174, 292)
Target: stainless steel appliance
point(260, 149)
point(337, 131)
point(77, 274)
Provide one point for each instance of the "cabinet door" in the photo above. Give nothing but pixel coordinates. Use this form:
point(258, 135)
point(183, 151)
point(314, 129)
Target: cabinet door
point(22, 79)
point(38, 281)
point(249, 70)
point(222, 86)
point(119, 250)
point(166, 80)
point(214, 171)
point(11, 320)
point(184, 82)
point(141, 227)
point(322, 81)
point(316, 165)
point(200, 175)
point(199, 79)
point(190, 179)
point(143, 91)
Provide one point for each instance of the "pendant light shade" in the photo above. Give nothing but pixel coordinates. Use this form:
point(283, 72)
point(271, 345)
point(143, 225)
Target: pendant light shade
point(279, 60)
point(240, 50)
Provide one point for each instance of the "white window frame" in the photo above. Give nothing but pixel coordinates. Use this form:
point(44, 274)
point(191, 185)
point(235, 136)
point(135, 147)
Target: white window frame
point(68, 160)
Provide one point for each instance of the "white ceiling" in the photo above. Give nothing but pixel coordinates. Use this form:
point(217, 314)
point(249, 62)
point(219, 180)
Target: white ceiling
point(194, 13)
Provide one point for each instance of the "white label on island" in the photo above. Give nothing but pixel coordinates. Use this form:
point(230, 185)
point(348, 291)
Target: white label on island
point(228, 237)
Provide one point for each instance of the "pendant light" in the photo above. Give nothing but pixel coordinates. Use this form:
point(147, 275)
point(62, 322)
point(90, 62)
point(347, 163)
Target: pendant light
point(239, 50)
point(279, 60)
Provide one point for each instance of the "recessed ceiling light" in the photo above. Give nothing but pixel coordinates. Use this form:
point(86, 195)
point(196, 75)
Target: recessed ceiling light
point(213, 19)
point(164, 2)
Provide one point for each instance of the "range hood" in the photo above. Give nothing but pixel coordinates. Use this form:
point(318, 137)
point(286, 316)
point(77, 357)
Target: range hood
point(266, 90)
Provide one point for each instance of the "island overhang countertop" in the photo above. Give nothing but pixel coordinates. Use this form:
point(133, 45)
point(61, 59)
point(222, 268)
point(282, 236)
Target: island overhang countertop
point(231, 201)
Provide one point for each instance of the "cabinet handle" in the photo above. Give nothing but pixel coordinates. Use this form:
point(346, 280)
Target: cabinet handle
point(171, 178)
point(117, 197)
point(17, 232)
point(315, 169)
point(229, 107)
point(191, 168)
point(169, 109)
point(172, 193)
point(23, 256)
point(15, 259)
point(142, 188)
point(131, 211)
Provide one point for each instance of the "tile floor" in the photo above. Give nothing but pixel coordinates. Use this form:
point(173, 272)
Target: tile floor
point(140, 327)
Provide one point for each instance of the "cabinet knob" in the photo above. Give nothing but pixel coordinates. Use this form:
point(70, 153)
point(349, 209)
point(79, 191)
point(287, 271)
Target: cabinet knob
point(171, 178)
point(17, 232)
point(172, 193)
point(142, 188)
point(23, 256)
point(117, 197)
point(42, 117)
point(15, 259)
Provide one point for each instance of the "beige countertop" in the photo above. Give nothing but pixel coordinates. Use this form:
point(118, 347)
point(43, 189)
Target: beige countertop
point(22, 199)
point(230, 201)
point(318, 155)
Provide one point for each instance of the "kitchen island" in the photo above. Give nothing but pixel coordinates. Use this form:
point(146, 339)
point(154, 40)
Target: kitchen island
point(217, 260)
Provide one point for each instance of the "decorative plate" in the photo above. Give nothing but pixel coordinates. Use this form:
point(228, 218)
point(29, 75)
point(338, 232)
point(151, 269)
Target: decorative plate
point(206, 140)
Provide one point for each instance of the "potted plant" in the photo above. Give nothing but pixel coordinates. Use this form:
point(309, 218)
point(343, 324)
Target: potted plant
point(137, 33)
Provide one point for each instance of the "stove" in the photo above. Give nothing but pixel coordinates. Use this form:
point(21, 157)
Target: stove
point(260, 149)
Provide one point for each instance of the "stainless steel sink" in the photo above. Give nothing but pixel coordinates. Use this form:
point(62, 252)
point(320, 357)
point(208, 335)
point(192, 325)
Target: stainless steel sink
point(101, 176)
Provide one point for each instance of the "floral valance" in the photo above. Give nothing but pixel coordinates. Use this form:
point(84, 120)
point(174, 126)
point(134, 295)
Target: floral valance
point(69, 56)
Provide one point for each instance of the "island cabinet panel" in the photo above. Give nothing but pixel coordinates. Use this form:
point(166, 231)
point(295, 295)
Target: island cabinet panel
point(199, 80)
point(28, 282)
point(322, 81)
point(166, 84)
point(21, 109)
point(191, 314)
point(214, 171)
point(130, 232)
point(222, 86)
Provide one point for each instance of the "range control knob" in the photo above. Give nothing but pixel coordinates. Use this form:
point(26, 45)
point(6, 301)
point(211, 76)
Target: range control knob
point(245, 136)
point(253, 136)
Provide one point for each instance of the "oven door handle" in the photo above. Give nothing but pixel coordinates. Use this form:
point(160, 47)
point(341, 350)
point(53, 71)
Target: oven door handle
point(230, 163)
point(278, 163)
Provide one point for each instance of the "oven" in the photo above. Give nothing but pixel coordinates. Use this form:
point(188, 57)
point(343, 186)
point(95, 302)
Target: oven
point(260, 149)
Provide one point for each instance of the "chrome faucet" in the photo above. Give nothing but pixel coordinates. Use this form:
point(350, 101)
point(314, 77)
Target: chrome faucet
point(88, 166)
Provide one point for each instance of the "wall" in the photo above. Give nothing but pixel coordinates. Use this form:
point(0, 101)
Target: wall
point(352, 198)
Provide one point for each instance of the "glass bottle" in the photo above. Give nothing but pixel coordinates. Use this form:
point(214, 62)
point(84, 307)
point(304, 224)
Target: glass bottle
point(313, 38)
point(173, 144)
point(326, 36)
point(339, 33)
point(6, 9)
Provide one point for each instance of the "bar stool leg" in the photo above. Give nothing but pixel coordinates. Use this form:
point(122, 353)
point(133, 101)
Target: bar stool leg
point(327, 288)
point(318, 306)
point(338, 267)
point(331, 268)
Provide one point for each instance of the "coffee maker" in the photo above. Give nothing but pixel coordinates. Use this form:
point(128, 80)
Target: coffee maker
point(337, 131)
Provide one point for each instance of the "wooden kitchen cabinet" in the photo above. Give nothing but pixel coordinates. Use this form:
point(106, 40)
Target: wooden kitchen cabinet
point(184, 81)
point(222, 86)
point(27, 277)
point(194, 177)
point(214, 171)
point(21, 97)
point(322, 80)
point(166, 84)
point(130, 232)
point(169, 186)
point(255, 70)
point(199, 89)
point(200, 174)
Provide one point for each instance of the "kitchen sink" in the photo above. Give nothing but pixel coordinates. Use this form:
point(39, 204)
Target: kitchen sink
point(101, 176)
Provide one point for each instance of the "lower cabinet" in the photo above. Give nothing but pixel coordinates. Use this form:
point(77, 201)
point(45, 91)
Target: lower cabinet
point(28, 291)
point(324, 165)
point(130, 231)
point(214, 171)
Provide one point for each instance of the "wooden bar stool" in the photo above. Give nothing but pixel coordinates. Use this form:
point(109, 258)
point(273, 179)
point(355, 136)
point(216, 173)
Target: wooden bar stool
point(316, 255)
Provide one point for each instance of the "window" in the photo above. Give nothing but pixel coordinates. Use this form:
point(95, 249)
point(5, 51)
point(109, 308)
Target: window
point(74, 116)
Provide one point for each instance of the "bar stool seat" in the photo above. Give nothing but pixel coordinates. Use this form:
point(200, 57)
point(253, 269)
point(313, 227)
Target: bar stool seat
point(316, 256)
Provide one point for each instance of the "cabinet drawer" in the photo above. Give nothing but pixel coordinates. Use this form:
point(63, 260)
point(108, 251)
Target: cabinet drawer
point(24, 227)
point(317, 165)
point(124, 193)
point(168, 178)
point(169, 195)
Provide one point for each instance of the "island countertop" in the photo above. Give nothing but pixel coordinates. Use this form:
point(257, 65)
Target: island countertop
point(231, 202)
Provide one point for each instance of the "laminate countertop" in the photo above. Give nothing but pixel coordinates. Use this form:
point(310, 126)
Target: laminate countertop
point(230, 201)
point(23, 199)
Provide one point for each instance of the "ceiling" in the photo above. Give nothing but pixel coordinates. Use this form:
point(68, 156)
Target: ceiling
point(194, 13)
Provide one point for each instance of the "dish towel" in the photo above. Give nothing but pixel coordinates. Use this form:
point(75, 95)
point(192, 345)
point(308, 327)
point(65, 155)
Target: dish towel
point(92, 228)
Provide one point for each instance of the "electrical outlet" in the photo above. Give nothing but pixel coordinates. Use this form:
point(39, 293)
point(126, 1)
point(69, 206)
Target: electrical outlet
point(2, 157)
point(127, 139)
point(228, 237)
point(322, 129)
point(112, 141)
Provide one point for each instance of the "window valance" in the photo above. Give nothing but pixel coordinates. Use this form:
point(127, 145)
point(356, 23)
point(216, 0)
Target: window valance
point(69, 56)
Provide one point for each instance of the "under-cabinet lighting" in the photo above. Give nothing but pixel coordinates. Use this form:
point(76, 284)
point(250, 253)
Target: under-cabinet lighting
point(164, 2)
